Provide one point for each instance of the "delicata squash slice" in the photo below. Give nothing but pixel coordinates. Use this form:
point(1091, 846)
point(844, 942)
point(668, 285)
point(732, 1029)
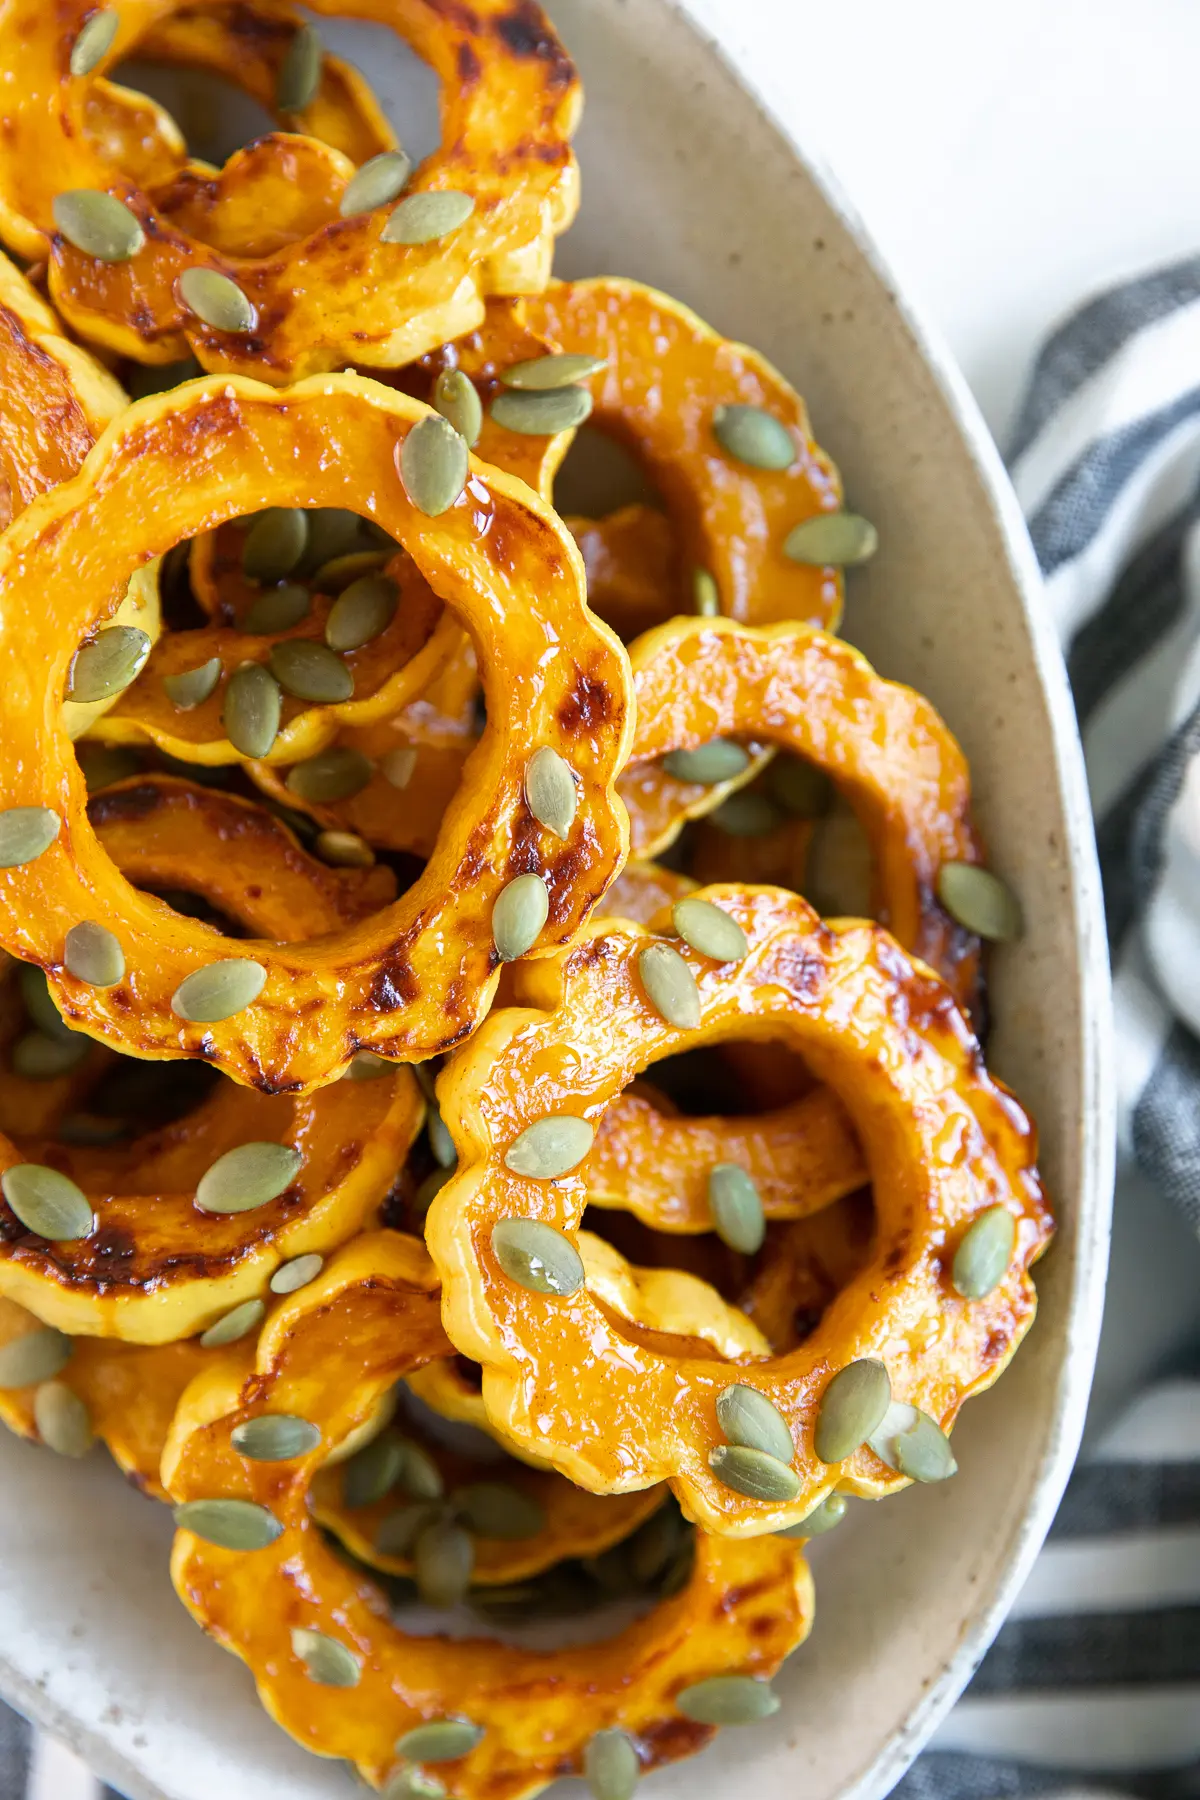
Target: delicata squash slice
point(416, 976)
point(377, 286)
point(324, 1357)
point(946, 1146)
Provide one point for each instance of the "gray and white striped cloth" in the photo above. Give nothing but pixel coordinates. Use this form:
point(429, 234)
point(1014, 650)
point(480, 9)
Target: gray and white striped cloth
point(1092, 1688)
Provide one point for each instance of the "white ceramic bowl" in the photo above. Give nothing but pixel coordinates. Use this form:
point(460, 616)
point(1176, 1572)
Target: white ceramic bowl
point(689, 184)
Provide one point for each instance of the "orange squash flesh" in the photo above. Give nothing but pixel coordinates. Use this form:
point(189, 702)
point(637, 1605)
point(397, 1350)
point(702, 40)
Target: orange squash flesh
point(805, 1264)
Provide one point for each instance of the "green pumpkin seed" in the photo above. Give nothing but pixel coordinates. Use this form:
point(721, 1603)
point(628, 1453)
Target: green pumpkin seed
point(550, 792)
point(823, 1517)
point(192, 687)
point(102, 764)
point(440, 1141)
point(94, 41)
point(274, 1437)
point(542, 415)
point(47, 1203)
point(311, 671)
point(754, 1473)
point(441, 1740)
point(710, 930)
point(253, 709)
point(537, 1257)
point(218, 991)
point(718, 760)
point(335, 576)
point(521, 910)
point(747, 815)
point(838, 539)
point(361, 612)
point(444, 1561)
point(333, 531)
point(39, 1056)
point(90, 1129)
point(979, 901)
point(706, 595)
point(423, 218)
point(248, 1176)
point(107, 664)
point(331, 775)
point(230, 1524)
point(291, 1276)
point(611, 1765)
point(373, 1472)
point(37, 1356)
point(913, 1444)
point(727, 1700)
point(234, 1325)
point(654, 1545)
point(94, 955)
point(63, 1421)
point(984, 1253)
point(217, 301)
point(420, 1476)
point(299, 76)
point(434, 465)
point(800, 787)
point(550, 1147)
point(277, 609)
point(748, 1417)
point(399, 1531)
point(344, 849)
point(754, 437)
point(547, 373)
point(25, 832)
point(433, 1184)
point(851, 1407)
point(328, 1662)
point(38, 1003)
point(670, 986)
point(493, 1509)
point(397, 766)
point(412, 1784)
point(366, 1066)
point(98, 224)
point(274, 544)
point(456, 397)
point(380, 179)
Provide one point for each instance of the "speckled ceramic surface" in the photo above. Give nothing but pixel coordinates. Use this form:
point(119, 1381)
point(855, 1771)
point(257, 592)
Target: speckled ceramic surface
point(690, 185)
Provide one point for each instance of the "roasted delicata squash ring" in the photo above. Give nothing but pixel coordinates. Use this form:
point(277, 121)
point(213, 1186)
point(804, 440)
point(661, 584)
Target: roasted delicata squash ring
point(342, 292)
point(642, 890)
point(635, 568)
point(805, 1263)
point(326, 1355)
point(417, 976)
point(667, 373)
point(887, 1038)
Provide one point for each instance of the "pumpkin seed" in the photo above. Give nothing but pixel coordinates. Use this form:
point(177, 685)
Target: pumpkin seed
point(823, 1517)
point(373, 1472)
point(710, 930)
point(913, 1444)
point(37, 1356)
point(440, 1141)
point(550, 792)
point(851, 1407)
point(840, 539)
point(444, 1561)
point(300, 72)
point(218, 991)
point(399, 1531)
point(747, 815)
point(94, 41)
point(107, 664)
point(419, 1475)
point(423, 218)
point(328, 1662)
point(38, 1003)
point(670, 986)
point(753, 437)
point(98, 224)
point(521, 909)
point(433, 1184)
point(379, 180)
point(366, 1066)
point(537, 1256)
point(274, 544)
point(412, 1784)
point(89, 1128)
point(217, 301)
point(544, 373)
point(234, 1325)
point(336, 774)
point(979, 901)
point(456, 397)
point(728, 1700)
point(63, 1421)
point(800, 787)
point(247, 1176)
point(345, 850)
point(277, 609)
point(754, 1473)
point(748, 1417)
point(654, 1545)
point(718, 760)
point(311, 671)
point(611, 1765)
point(38, 1056)
point(361, 612)
point(434, 464)
point(47, 1203)
point(290, 1276)
point(102, 764)
point(333, 531)
point(441, 1740)
point(550, 1147)
point(25, 831)
point(94, 955)
point(493, 1509)
point(192, 687)
point(984, 1253)
point(230, 1524)
point(274, 1437)
point(397, 766)
point(706, 595)
point(335, 576)
point(542, 415)
point(253, 709)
